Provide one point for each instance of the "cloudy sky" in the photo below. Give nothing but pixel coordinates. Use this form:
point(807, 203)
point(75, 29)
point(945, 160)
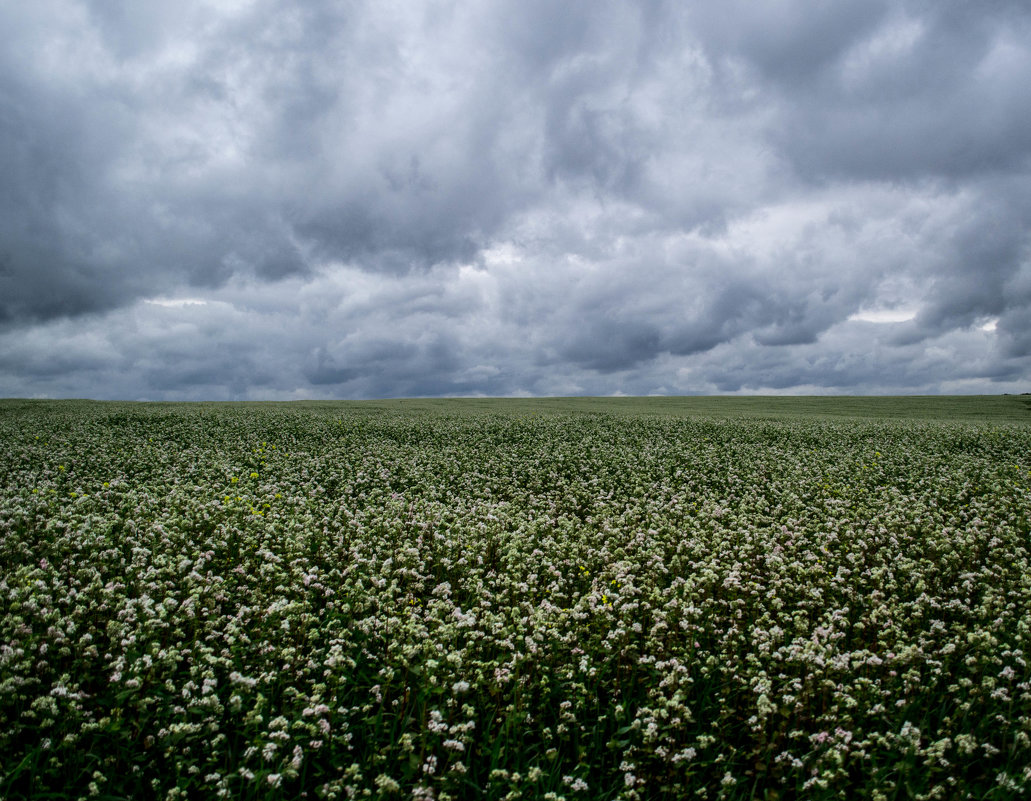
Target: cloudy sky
point(267, 199)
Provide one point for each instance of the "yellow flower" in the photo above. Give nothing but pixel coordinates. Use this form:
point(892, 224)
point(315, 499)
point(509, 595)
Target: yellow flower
point(254, 475)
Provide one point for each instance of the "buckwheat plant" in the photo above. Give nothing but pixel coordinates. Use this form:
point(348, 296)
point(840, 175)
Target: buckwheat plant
point(336, 601)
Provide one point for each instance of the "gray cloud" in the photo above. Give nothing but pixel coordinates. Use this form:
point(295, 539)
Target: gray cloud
point(515, 198)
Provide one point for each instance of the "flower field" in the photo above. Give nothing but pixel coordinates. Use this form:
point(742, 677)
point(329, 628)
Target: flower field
point(344, 601)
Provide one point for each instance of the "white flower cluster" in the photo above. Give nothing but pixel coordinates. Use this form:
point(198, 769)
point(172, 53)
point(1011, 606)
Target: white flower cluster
point(330, 601)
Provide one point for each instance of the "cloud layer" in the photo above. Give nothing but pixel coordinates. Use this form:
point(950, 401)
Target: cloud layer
point(234, 199)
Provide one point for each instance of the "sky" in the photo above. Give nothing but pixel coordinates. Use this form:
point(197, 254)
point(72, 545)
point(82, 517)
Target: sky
point(273, 200)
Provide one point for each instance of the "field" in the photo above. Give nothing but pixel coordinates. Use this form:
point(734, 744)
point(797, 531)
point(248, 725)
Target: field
point(764, 598)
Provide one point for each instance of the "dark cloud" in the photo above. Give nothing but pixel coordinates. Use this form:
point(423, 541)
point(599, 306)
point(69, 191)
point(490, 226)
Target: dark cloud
point(786, 42)
point(930, 91)
point(609, 345)
point(256, 198)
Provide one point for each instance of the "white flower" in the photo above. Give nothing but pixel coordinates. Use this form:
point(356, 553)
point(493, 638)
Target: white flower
point(387, 784)
point(237, 678)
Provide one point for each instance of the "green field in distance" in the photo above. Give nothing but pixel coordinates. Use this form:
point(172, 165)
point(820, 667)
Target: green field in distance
point(987, 408)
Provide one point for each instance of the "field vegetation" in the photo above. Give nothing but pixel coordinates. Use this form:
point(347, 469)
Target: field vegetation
point(559, 599)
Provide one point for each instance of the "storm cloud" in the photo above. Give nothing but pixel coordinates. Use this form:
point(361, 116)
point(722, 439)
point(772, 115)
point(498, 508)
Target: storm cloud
point(262, 199)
